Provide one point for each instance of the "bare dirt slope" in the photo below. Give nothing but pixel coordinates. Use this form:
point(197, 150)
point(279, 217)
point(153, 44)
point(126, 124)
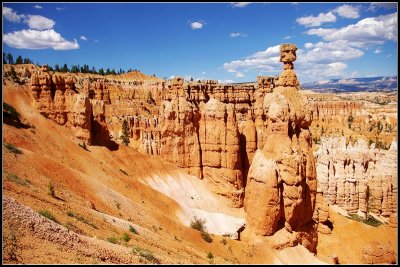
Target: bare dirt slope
point(98, 196)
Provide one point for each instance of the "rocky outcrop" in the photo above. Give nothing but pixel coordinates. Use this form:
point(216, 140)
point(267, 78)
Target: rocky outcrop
point(281, 183)
point(376, 253)
point(335, 111)
point(356, 177)
point(224, 134)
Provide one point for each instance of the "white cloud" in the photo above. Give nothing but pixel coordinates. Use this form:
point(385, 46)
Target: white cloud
point(378, 51)
point(203, 73)
point(376, 5)
point(197, 25)
point(348, 11)
point(240, 4)
point(287, 37)
point(369, 31)
point(83, 38)
point(12, 16)
point(308, 45)
point(33, 39)
point(60, 8)
point(237, 34)
point(96, 41)
point(239, 74)
point(39, 22)
point(324, 53)
point(37, 7)
point(312, 21)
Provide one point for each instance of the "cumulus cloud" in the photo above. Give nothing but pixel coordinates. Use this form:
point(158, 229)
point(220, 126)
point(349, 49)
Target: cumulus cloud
point(325, 53)
point(40, 35)
point(37, 7)
point(83, 38)
point(377, 51)
point(240, 4)
point(34, 39)
point(196, 25)
point(39, 22)
point(12, 16)
point(312, 21)
point(376, 5)
point(318, 60)
point(287, 37)
point(369, 31)
point(348, 11)
point(237, 34)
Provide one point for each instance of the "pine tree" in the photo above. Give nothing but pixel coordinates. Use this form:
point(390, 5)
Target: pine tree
point(101, 71)
point(64, 68)
point(108, 71)
point(19, 60)
point(125, 133)
point(94, 70)
point(10, 58)
point(56, 67)
point(27, 61)
point(4, 58)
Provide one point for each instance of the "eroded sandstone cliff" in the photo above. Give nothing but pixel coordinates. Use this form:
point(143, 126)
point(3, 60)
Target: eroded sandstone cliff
point(358, 178)
point(250, 142)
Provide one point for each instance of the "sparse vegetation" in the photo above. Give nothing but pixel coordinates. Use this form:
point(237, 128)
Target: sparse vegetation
point(224, 242)
point(125, 133)
point(199, 225)
point(48, 215)
point(133, 230)
point(81, 218)
point(370, 220)
point(206, 236)
point(148, 255)
point(210, 256)
point(112, 240)
point(12, 148)
point(51, 190)
point(16, 179)
point(126, 237)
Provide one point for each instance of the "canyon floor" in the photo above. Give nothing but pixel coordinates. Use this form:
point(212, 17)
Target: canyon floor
point(99, 195)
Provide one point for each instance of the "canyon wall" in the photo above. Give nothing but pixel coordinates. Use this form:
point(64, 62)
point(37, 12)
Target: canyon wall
point(358, 178)
point(251, 143)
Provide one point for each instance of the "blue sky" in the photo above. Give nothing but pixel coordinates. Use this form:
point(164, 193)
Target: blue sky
point(230, 42)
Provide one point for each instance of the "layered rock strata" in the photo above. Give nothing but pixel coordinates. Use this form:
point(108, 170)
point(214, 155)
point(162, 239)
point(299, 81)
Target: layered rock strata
point(358, 178)
point(281, 183)
point(250, 142)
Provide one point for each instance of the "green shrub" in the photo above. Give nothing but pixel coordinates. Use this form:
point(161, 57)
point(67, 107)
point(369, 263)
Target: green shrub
point(48, 215)
point(16, 179)
point(198, 224)
point(112, 240)
point(370, 220)
point(206, 236)
point(210, 256)
point(12, 148)
point(148, 255)
point(126, 237)
point(133, 230)
point(51, 190)
point(70, 214)
point(224, 242)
